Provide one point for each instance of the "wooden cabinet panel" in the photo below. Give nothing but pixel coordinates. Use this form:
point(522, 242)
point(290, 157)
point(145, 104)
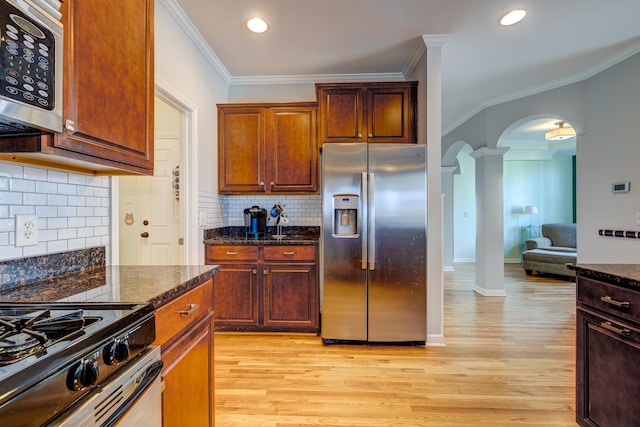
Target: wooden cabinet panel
point(622, 302)
point(607, 372)
point(290, 296)
point(607, 351)
point(289, 253)
point(236, 295)
point(294, 150)
point(108, 93)
point(391, 115)
point(232, 252)
point(188, 396)
point(187, 346)
point(367, 112)
point(241, 150)
point(278, 292)
point(341, 117)
point(267, 148)
point(108, 86)
point(182, 311)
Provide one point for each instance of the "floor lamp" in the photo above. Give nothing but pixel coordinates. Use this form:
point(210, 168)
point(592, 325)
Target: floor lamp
point(531, 210)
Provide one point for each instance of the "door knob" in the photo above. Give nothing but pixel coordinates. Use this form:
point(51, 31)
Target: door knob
point(145, 235)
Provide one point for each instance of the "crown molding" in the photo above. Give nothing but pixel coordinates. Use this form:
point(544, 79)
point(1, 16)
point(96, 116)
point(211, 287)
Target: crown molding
point(190, 30)
point(554, 84)
point(488, 151)
point(313, 78)
point(435, 40)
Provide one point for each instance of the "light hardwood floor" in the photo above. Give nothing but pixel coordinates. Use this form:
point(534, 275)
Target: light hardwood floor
point(508, 361)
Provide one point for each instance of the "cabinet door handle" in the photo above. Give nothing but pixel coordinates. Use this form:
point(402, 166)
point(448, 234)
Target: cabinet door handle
point(622, 304)
point(254, 271)
point(289, 253)
point(192, 309)
point(624, 331)
point(232, 252)
point(359, 135)
point(370, 135)
point(265, 271)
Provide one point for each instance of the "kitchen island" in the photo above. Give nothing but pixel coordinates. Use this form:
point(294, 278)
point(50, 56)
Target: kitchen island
point(607, 344)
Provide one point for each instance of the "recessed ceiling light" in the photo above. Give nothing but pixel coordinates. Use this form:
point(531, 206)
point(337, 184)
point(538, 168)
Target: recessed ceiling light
point(513, 17)
point(257, 25)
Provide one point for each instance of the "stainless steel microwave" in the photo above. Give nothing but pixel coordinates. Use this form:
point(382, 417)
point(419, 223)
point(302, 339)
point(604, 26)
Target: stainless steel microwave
point(31, 66)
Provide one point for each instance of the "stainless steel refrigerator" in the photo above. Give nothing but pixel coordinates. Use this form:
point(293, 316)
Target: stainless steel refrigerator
point(374, 201)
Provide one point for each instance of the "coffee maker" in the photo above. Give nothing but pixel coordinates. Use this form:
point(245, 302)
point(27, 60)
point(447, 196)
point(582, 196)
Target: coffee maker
point(255, 222)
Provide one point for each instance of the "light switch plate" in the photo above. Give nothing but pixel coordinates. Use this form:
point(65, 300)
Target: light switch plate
point(26, 230)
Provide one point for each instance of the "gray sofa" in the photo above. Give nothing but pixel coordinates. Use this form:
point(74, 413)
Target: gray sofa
point(550, 253)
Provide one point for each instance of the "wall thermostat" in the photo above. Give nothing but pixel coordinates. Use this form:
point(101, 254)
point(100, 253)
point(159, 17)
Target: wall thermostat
point(620, 187)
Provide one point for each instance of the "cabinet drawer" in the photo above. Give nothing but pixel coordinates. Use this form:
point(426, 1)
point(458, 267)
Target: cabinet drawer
point(612, 299)
point(289, 253)
point(232, 252)
point(183, 311)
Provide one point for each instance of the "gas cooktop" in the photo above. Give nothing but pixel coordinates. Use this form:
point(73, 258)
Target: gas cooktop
point(64, 350)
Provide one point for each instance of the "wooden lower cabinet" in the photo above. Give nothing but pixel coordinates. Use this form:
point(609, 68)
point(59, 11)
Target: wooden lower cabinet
point(275, 290)
point(607, 354)
point(185, 330)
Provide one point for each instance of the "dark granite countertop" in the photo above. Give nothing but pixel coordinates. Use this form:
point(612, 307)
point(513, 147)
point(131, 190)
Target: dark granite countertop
point(155, 284)
point(235, 236)
point(626, 275)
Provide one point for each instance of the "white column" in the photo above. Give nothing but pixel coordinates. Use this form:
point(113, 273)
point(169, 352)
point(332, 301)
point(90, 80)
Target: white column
point(435, 279)
point(489, 221)
point(447, 217)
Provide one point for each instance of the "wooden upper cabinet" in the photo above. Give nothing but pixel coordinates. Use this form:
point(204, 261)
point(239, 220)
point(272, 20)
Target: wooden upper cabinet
point(241, 150)
point(108, 83)
point(367, 112)
point(267, 148)
point(293, 149)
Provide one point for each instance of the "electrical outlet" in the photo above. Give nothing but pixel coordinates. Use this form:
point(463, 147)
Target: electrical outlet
point(26, 230)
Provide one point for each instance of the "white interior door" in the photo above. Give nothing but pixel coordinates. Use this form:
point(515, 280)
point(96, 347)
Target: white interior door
point(149, 214)
point(150, 211)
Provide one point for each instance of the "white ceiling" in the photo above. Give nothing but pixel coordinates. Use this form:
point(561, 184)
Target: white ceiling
point(559, 42)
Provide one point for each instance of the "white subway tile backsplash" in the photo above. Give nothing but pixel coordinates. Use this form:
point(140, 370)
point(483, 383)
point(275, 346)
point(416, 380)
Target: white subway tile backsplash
point(46, 187)
point(35, 174)
point(57, 246)
point(59, 177)
point(56, 200)
point(47, 211)
point(67, 233)
point(23, 185)
point(60, 201)
point(79, 221)
point(53, 223)
point(12, 170)
point(67, 189)
point(34, 199)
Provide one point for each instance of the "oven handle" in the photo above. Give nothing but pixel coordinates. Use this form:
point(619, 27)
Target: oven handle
point(149, 376)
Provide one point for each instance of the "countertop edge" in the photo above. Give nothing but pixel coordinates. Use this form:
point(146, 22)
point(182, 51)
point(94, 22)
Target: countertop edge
point(626, 275)
point(182, 288)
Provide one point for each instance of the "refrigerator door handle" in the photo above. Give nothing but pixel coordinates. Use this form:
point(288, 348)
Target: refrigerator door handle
point(365, 202)
point(372, 222)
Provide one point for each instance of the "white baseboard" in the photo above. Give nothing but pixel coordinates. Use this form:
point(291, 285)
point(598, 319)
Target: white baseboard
point(487, 293)
point(434, 340)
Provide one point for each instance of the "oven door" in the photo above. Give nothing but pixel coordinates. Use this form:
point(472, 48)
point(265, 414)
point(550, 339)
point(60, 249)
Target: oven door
point(132, 398)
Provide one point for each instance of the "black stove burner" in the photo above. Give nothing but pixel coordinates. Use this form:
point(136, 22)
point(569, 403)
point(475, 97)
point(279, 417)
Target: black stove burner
point(25, 333)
